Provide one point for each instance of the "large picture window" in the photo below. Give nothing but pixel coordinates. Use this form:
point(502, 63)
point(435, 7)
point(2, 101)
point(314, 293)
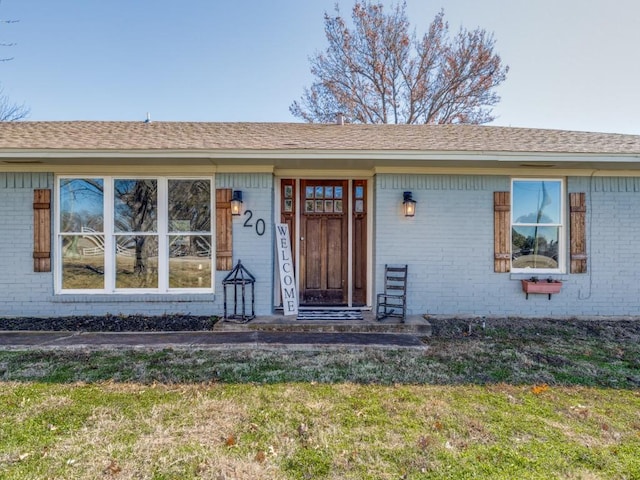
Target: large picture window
point(118, 234)
point(536, 221)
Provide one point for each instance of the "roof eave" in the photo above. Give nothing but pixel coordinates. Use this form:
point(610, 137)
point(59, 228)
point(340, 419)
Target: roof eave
point(304, 158)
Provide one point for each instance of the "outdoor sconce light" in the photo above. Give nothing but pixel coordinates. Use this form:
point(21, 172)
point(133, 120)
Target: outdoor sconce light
point(236, 202)
point(408, 204)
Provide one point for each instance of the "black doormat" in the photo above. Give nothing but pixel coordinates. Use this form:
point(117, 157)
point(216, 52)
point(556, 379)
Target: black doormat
point(330, 315)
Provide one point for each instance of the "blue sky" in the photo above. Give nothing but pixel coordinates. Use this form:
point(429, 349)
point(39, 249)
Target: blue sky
point(574, 63)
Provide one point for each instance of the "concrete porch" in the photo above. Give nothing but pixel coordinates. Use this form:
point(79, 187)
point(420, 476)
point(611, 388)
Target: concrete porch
point(414, 325)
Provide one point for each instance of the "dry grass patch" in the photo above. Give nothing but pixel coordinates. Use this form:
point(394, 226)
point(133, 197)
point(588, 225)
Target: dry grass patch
point(530, 401)
point(313, 430)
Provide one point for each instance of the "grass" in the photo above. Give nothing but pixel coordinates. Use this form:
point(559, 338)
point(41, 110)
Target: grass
point(538, 401)
point(317, 430)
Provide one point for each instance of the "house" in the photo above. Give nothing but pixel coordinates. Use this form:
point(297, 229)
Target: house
point(135, 218)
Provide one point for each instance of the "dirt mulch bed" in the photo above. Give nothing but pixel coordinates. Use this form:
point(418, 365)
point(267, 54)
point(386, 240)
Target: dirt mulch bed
point(112, 323)
point(607, 329)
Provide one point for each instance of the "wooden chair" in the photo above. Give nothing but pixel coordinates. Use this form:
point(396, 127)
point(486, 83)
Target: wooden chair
point(393, 302)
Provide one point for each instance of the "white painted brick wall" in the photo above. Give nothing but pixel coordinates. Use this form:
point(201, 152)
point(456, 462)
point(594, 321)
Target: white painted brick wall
point(20, 288)
point(449, 248)
point(25, 293)
point(254, 250)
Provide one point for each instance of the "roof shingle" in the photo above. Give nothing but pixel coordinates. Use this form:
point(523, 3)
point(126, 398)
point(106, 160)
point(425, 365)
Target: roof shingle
point(196, 136)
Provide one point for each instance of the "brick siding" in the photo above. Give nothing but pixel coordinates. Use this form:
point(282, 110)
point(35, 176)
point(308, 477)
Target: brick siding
point(449, 248)
point(25, 293)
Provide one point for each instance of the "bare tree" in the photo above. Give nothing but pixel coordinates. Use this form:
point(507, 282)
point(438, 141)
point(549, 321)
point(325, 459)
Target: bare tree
point(10, 111)
point(379, 72)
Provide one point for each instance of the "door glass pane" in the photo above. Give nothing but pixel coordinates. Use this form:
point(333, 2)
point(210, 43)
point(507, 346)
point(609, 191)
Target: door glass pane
point(136, 261)
point(135, 203)
point(190, 261)
point(535, 247)
point(308, 206)
point(81, 205)
point(189, 206)
point(83, 262)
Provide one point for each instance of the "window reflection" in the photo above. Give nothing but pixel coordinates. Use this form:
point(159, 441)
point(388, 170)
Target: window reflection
point(190, 261)
point(126, 249)
point(189, 206)
point(135, 204)
point(536, 201)
point(83, 262)
point(81, 204)
point(535, 247)
point(537, 216)
point(137, 261)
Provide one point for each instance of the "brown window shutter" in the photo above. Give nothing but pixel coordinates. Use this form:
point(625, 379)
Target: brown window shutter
point(577, 232)
point(224, 230)
point(42, 230)
point(501, 232)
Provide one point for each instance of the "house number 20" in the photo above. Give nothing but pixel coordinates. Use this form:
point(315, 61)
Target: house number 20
point(260, 225)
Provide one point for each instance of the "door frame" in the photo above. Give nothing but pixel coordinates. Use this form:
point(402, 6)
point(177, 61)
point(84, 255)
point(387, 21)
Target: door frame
point(297, 177)
point(329, 264)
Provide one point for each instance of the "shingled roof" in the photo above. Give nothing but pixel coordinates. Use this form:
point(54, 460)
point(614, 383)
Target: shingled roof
point(196, 136)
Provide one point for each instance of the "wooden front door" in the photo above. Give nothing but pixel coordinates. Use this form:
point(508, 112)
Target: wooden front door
point(323, 242)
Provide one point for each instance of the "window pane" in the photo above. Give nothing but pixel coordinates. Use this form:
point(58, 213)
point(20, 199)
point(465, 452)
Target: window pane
point(309, 192)
point(535, 247)
point(135, 204)
point(189, 206)
point(81, 205)
point(83, 262)
point(536, 201)
point(190, 261)
point(136, 261)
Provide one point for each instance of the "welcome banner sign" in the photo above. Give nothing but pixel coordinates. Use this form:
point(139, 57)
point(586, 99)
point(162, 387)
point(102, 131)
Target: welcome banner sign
point(285, 264)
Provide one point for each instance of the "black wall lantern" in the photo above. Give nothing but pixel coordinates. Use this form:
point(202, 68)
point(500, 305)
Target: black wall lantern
point(236, 202)
point(408, 204)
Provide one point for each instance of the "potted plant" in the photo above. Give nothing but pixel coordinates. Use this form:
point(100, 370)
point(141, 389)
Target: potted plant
point(534, 285)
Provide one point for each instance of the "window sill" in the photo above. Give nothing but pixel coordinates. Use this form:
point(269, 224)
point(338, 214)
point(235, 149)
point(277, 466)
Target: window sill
point(127, 298)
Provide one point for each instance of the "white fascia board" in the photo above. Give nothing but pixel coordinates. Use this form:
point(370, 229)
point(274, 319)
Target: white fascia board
point(506, 170)
point(413, 155)
point(214, 156)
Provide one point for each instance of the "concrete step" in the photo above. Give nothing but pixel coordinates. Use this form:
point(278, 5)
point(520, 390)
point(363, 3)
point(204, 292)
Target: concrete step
point(414, 325)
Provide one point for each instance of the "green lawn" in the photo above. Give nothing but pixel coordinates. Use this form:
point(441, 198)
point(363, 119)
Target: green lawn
point(536, 401)
point(316, 430)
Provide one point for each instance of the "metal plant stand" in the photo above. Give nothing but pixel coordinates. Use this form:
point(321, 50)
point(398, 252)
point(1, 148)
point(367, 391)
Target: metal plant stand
point(239, 278)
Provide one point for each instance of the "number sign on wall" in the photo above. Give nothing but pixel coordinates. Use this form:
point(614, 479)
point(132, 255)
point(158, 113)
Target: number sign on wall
point(260, 225)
